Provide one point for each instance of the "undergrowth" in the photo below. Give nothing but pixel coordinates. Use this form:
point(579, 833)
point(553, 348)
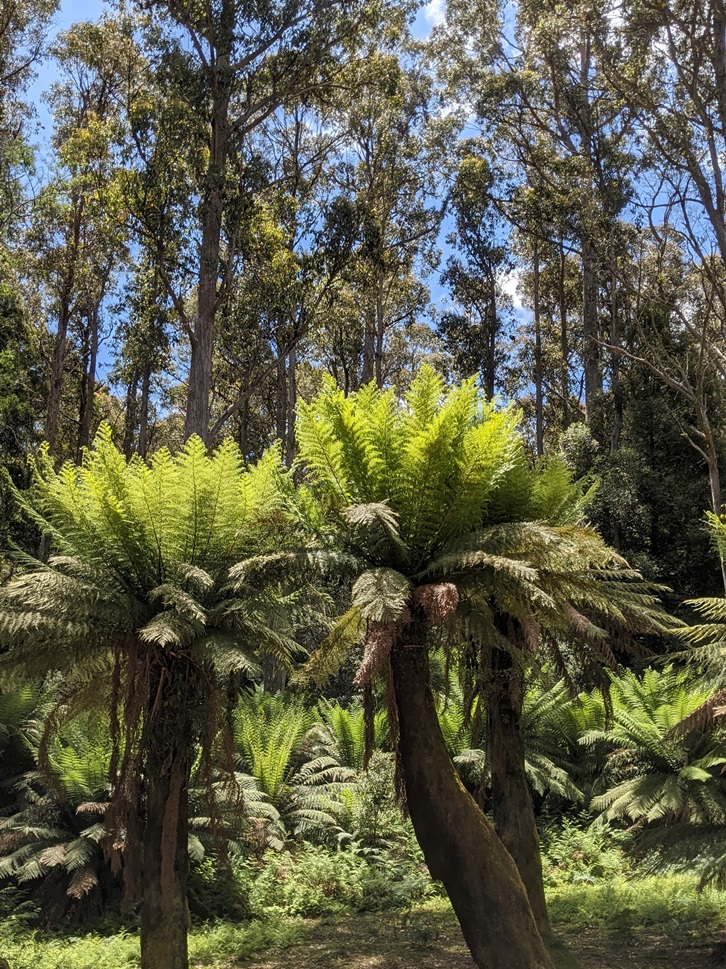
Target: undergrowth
point(589, 887)
point(669, 902)
point(209, 945)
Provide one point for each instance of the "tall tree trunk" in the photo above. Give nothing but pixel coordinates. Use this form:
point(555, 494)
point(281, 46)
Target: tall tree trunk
point(58, 361)
point(590, 329)
point(144, 410)
point(615, 363)
point(491, 339)
point(200, 370)
point(538, 394)
point(281, 409)
point(130, 416)
point(244, 427)
point(369, 346)
point(291, 404)
point(460, 846)
point(84, 432)
point(564, 338)
point(380, 327)
point(512, 807)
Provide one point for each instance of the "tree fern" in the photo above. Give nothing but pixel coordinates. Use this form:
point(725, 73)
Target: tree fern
point(277, 749)
point(488, 556)
point(137, 612)
point(53, 845)
point(669, 789)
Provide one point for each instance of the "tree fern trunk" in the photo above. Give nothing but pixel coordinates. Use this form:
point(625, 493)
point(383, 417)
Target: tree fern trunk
point(460, 846)
point(164, 914)
point(511, 800)
point(164, 910)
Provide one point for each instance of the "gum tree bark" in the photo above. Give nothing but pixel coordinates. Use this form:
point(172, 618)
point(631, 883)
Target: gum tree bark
point(460, 846)
point(202, 339)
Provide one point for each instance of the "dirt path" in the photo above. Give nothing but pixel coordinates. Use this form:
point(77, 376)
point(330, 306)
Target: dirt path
point(432, 940)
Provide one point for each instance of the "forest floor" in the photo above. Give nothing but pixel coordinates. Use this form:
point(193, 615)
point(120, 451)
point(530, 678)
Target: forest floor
point(431, 939)
point(638, 923)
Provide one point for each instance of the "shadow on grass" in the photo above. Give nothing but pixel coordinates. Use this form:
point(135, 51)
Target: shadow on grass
point(426, 938)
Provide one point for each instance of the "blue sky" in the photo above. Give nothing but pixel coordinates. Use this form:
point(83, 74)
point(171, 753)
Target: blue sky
point(70, 12)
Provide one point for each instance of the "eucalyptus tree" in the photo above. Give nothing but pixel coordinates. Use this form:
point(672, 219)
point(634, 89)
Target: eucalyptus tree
point(674, 320)
point(433, 505)
point(542, 370)
point(387, 177)
point(285, 276)
point(145, 341)
point(537, 87)
point(665, 63)
point(229, 67)
point(138, 615)
point(24, 28)
point(473, 332)
point(22, 382)
point(78, 234)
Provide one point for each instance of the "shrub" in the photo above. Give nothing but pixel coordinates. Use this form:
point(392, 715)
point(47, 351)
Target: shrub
point(575, 852)
point(670, 902)
point(317, 881)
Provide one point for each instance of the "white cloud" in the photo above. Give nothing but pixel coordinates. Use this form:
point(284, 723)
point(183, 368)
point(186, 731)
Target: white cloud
point(435, 12)
point(509, 283)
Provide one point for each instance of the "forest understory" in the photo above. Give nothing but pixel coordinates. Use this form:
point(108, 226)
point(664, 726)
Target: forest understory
point(426, 936)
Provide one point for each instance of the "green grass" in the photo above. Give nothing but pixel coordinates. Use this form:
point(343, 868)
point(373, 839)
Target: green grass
point(669, 902)
point(216, 944)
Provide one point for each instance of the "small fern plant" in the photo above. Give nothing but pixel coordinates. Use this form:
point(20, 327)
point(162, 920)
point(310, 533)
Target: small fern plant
point(278, 751)
point(666, 786)
point(52, 844)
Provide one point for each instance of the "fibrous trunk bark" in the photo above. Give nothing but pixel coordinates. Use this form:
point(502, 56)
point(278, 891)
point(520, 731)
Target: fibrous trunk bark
point(164, 909)
point(164, 913)
point(460, 846)
point(511, 801)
